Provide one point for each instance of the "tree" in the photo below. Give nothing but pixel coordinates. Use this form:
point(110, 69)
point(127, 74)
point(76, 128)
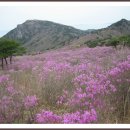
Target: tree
point(125, 40)
point(113, 42)
point(20, 51)
point(7, 49)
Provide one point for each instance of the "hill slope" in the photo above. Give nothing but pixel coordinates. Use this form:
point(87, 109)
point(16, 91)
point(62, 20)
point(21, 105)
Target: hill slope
point(119, 28)
point(39, 35)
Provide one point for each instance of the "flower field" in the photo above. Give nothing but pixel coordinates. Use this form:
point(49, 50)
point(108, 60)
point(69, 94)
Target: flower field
point(67, 86)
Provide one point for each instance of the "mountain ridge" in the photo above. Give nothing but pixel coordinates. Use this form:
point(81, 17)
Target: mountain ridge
point(40, 35)
point(119, 28)
point(45, 34)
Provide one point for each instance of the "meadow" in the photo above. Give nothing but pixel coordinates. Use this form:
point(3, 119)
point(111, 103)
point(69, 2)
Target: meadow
point(67, 86)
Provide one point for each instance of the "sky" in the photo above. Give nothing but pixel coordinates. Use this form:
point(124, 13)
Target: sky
point(81, 15)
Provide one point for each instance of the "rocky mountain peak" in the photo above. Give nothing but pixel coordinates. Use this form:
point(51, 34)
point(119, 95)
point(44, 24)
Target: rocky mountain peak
point(122, 22)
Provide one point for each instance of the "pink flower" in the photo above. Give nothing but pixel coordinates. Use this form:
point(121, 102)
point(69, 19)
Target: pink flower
point(10, 89)
point(4, 78)
point(47, 117)
point(30, 101)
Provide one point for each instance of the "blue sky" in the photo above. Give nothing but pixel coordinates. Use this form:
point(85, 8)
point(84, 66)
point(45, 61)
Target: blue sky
point(80, 16)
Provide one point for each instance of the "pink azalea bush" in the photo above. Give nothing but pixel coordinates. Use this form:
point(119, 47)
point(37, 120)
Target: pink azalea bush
point(47, 117)
point(30, 101)
point(82, 118)
point(10, 102)
point(82, 85)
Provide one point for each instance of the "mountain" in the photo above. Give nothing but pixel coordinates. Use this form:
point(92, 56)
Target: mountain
point(118, 28)
point(38, 35)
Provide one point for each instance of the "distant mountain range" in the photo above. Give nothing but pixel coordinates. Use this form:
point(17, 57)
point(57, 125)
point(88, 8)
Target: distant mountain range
point(38, 35)
point(119, 28)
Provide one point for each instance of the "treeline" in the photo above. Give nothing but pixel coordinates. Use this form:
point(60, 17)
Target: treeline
point(8, 49)
point(113, 41)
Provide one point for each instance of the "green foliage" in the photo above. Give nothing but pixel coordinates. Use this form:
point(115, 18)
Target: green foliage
point(9, 47)
point(122, 40)
point(94, 43)
point(20, 51)
point(113, 42)
point(125, 40)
